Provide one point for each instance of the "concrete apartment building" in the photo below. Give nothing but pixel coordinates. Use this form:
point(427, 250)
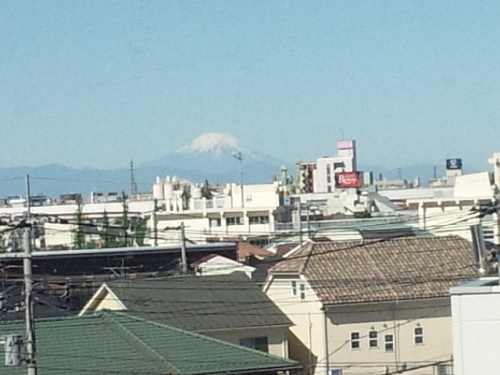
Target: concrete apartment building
point(322, 176)
point(378, 307)
point(233, 211)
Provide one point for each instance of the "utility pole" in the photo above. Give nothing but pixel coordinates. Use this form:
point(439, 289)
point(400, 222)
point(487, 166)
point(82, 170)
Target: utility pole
point(28, 285)
point(298, 206)
point(239, 156)
point(183, 250)
point(28, 305)
point(155, 228)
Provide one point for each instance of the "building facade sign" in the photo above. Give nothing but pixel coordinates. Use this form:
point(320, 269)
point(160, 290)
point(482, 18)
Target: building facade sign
point(347, 180)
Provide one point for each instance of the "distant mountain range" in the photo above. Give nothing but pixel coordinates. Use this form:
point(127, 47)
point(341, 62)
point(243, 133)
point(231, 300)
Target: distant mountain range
point(211, 156)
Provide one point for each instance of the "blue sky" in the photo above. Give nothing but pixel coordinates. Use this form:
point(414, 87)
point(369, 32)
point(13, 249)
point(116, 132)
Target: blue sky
point(97, 83)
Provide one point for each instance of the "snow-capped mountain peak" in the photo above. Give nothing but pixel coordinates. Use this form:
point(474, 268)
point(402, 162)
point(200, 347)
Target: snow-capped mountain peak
point(211, 142)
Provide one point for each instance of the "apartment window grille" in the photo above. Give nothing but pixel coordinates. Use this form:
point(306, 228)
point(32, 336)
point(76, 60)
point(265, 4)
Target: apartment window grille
point(355, 340)
point(389, 343)
point(373, 339)
point(418, 335)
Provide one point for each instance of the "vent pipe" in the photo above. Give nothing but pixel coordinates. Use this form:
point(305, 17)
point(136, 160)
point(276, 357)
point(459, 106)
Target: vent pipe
point(479, 246)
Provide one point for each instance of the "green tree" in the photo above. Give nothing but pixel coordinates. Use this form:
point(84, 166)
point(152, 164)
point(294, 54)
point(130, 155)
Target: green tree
point(206, 191)
point(140, 231)
point(125, 223)
point(186, 196)
point(105, 231)
point(80, 233)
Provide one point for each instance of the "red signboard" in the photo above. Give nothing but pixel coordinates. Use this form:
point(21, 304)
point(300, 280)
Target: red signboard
point(347, 180)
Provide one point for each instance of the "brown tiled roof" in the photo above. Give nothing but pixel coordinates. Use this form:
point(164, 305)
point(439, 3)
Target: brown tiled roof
point(285, 248)
point(383, 270)
point(245, 249)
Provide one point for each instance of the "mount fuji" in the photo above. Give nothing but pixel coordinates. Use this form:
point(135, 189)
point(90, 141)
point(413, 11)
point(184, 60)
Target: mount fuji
point(216, 157)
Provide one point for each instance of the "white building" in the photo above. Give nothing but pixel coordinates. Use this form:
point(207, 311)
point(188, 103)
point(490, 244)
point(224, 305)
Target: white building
point(475, 314)
point(225, 215)
point(453, 215)
point(321, 176)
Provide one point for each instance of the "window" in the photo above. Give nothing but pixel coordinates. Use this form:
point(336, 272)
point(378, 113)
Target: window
point(389, 343)
point(355, 340)
point(373, 339)
point(443, 369)
point(234, 220)
point(418, 335)
point(258, 343)
point(301, 288)
point(215, 222)
point(259, 219)
point(302, 291)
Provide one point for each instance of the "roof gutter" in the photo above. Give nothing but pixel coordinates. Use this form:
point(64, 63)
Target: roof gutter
point(249, 327)
point(333, 305)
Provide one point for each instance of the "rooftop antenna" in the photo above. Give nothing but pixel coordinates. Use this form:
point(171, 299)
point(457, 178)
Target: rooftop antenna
point(133, 184)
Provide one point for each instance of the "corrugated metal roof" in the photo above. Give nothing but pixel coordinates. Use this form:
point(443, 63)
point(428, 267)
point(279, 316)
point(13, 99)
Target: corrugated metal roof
point(117, 343)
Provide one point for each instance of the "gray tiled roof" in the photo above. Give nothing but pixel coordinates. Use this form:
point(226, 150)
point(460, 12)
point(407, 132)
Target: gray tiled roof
point(201, 303)
point(383, 270)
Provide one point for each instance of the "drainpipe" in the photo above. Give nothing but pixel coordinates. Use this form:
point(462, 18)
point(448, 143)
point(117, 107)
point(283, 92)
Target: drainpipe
point(327, 350)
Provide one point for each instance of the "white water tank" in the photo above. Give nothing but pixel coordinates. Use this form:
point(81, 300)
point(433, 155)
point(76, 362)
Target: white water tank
point(168, 191)
point(158, 191)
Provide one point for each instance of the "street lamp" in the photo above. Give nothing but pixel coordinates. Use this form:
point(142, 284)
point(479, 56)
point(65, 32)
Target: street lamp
point(238, 156)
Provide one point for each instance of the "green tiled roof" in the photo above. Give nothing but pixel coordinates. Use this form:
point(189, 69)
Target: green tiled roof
point(117, 343)
point(200, 303)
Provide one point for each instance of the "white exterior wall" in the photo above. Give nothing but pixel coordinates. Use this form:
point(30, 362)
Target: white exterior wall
point(57, 235)
point(277, 339)
point(89, 210)
point(258, 195)
point(400, 320)
point(307, 335)
point(321, 183)
point(200, 224)
point(328, 336)
point(476, 323)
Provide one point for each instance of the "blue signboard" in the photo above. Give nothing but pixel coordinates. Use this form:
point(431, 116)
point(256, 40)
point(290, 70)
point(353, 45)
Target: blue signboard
point(453, 163)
